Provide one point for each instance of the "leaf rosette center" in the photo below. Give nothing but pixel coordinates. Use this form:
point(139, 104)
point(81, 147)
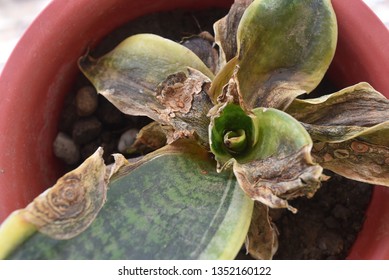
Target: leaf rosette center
point(232, 133)
point(235, 141)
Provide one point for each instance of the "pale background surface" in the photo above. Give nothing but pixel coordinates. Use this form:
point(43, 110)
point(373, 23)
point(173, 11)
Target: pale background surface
point(16, 15)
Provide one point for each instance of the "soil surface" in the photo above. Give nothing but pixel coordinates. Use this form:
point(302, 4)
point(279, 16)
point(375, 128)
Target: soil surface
point(325, 226)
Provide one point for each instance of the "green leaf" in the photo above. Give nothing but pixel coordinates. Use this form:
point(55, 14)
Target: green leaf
point(13, 231)
point(169, 205)
point(275, 163)
point(267, 132)
point(283, 50)
point(351, 131)
point(155, 77)
point(278, 134)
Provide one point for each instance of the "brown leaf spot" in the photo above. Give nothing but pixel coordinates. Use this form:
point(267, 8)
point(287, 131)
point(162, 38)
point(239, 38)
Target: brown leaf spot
point(359, 147)
point(318, 146)
point(327, 157)
point(376, 168)
point(176, 93)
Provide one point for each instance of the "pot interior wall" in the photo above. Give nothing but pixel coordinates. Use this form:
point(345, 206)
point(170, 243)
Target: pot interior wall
point(42, 68)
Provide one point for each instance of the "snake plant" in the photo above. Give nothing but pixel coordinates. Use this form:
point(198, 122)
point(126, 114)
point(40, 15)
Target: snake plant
point(228, 143)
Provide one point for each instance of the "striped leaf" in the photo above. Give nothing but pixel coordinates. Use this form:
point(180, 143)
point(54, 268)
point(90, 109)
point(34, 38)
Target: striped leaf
point(169, 205)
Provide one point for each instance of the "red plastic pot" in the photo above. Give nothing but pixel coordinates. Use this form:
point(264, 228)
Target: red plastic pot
point(43, 66)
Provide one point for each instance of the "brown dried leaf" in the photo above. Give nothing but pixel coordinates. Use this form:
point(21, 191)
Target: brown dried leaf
point(276, 179)
point(202, 46)
point(186, 102)
point(355, 159)
point(262, 238)
point(351, 132)
point(226, 30)
point(150, 138)
point(70, 206)
point(359, 105)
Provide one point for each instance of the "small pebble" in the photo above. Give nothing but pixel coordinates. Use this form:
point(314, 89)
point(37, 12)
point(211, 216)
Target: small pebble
point(66, 149)
point(127, 139)
point(332, 242)
point(86, 101)
point(85, 130)
point(340, 212)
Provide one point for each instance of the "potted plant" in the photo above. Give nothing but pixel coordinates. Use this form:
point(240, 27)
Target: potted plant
point(64, 73)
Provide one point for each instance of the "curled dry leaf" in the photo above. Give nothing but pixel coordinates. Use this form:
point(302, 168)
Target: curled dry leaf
point(202, 46)
point(112, 169)
point(359, 105)
point(262, 238)
point(70, 206)
point(275, 180)
point(226, 29)
point(150, 138)
point(351, 132)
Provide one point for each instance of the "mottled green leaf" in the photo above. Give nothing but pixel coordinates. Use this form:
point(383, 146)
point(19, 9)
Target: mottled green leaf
point(155, 77)
point(169, 205)
point(351, 130)
point(284, 49)
point(275, 163)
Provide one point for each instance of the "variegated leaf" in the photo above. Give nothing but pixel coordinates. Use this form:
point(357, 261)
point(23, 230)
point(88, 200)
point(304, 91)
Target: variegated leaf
point(169, 204)
point(284, 49)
